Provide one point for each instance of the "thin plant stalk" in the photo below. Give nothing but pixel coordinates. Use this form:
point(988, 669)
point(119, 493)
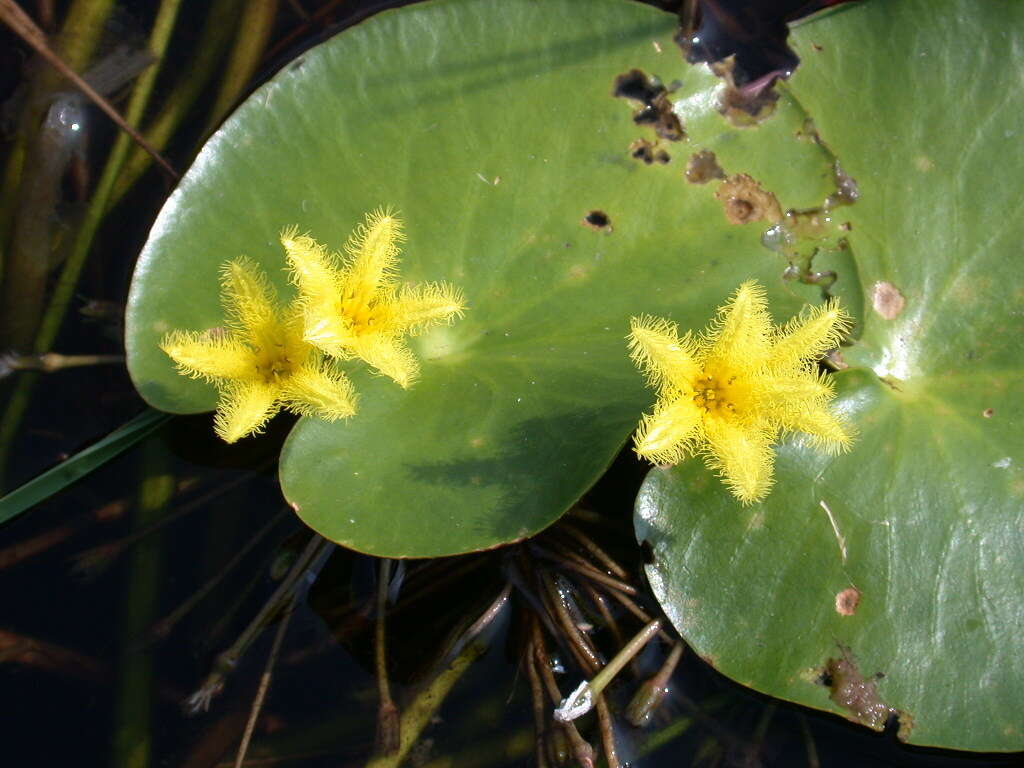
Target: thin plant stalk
point(264, 686)
point(53, 317)
point(76, 43)
point(96, 557)
point(580, 566)
point(421, 711)
point(29, 31)
point(226, 661)
point(813, 761)
point(652, 692)
point(52, 362)
point(254, 28)
point(216, 30)
point(537, 701)
point(594, 550)
point(388, 724)
point(577, 643)
point(163, 627)
point(580, 701)
point(57, 478)
point(133, 715)
point(582, 751)
point(604, 721)
point(637, 611)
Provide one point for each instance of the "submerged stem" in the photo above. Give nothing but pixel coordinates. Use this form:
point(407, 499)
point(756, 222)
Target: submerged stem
point(388, 723)
point(261, 692)
point(315, 553)
point(420, 712)
point(580, 701)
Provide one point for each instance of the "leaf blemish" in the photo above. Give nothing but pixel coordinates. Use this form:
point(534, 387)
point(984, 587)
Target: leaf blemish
point(655, 108)
point(847, 601)
point(859, 696)
point(702, 167)
point(743, 201)
point(887, 300)
point(649, 153)
point(597, 220)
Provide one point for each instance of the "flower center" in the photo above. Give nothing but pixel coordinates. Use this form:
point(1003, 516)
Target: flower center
point(713, 395)
point(362, 315)
point(274, 367)
point(275, 358)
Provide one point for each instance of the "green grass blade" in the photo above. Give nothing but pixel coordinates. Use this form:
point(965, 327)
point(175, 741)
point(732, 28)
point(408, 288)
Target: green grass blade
point(82, 463)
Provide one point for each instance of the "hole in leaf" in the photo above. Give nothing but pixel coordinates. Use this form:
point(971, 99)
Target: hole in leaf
point(598, 220)
point(655, 108)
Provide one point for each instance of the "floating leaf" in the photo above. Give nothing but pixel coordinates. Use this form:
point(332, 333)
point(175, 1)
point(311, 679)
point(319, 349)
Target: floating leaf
point(494, 131)
point(901, 558)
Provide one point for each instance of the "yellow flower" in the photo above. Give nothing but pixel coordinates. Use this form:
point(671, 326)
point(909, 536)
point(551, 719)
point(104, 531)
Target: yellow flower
point(733, 391)
point(353, 306)
point(260, 363)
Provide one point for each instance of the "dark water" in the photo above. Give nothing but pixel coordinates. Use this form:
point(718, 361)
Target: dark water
point(88, 574)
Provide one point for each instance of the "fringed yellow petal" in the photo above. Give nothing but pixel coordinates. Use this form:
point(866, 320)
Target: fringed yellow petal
point(293, 347)
point(209, 356)
point(742, 456)
point(244, 408)
point(314, 271)
point(740, 336)
point(248, 299)
point(823, 430)
point(319, 390)
point(374, 248)
point(808, 336)
point(416, 308)
point(665, 359)
point(333, 334)
point(389, 355)
point(787, 396)
point(671, 433)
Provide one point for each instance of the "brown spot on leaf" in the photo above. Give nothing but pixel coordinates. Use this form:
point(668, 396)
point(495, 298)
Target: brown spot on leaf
point(857, 695)
point(655, 108)
point(702, 167)
point(598, 221)
point(887, 300)
point(987, 413)
point(744, 201)
point(847, 601)
point(648, 153)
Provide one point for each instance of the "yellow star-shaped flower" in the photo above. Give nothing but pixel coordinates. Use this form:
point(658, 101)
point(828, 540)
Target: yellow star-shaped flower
point(731, 392)
point(260, 363)
point(353, 306)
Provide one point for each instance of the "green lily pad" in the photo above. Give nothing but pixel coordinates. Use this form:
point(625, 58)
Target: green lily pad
point(493, 129)
point(903, 556)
